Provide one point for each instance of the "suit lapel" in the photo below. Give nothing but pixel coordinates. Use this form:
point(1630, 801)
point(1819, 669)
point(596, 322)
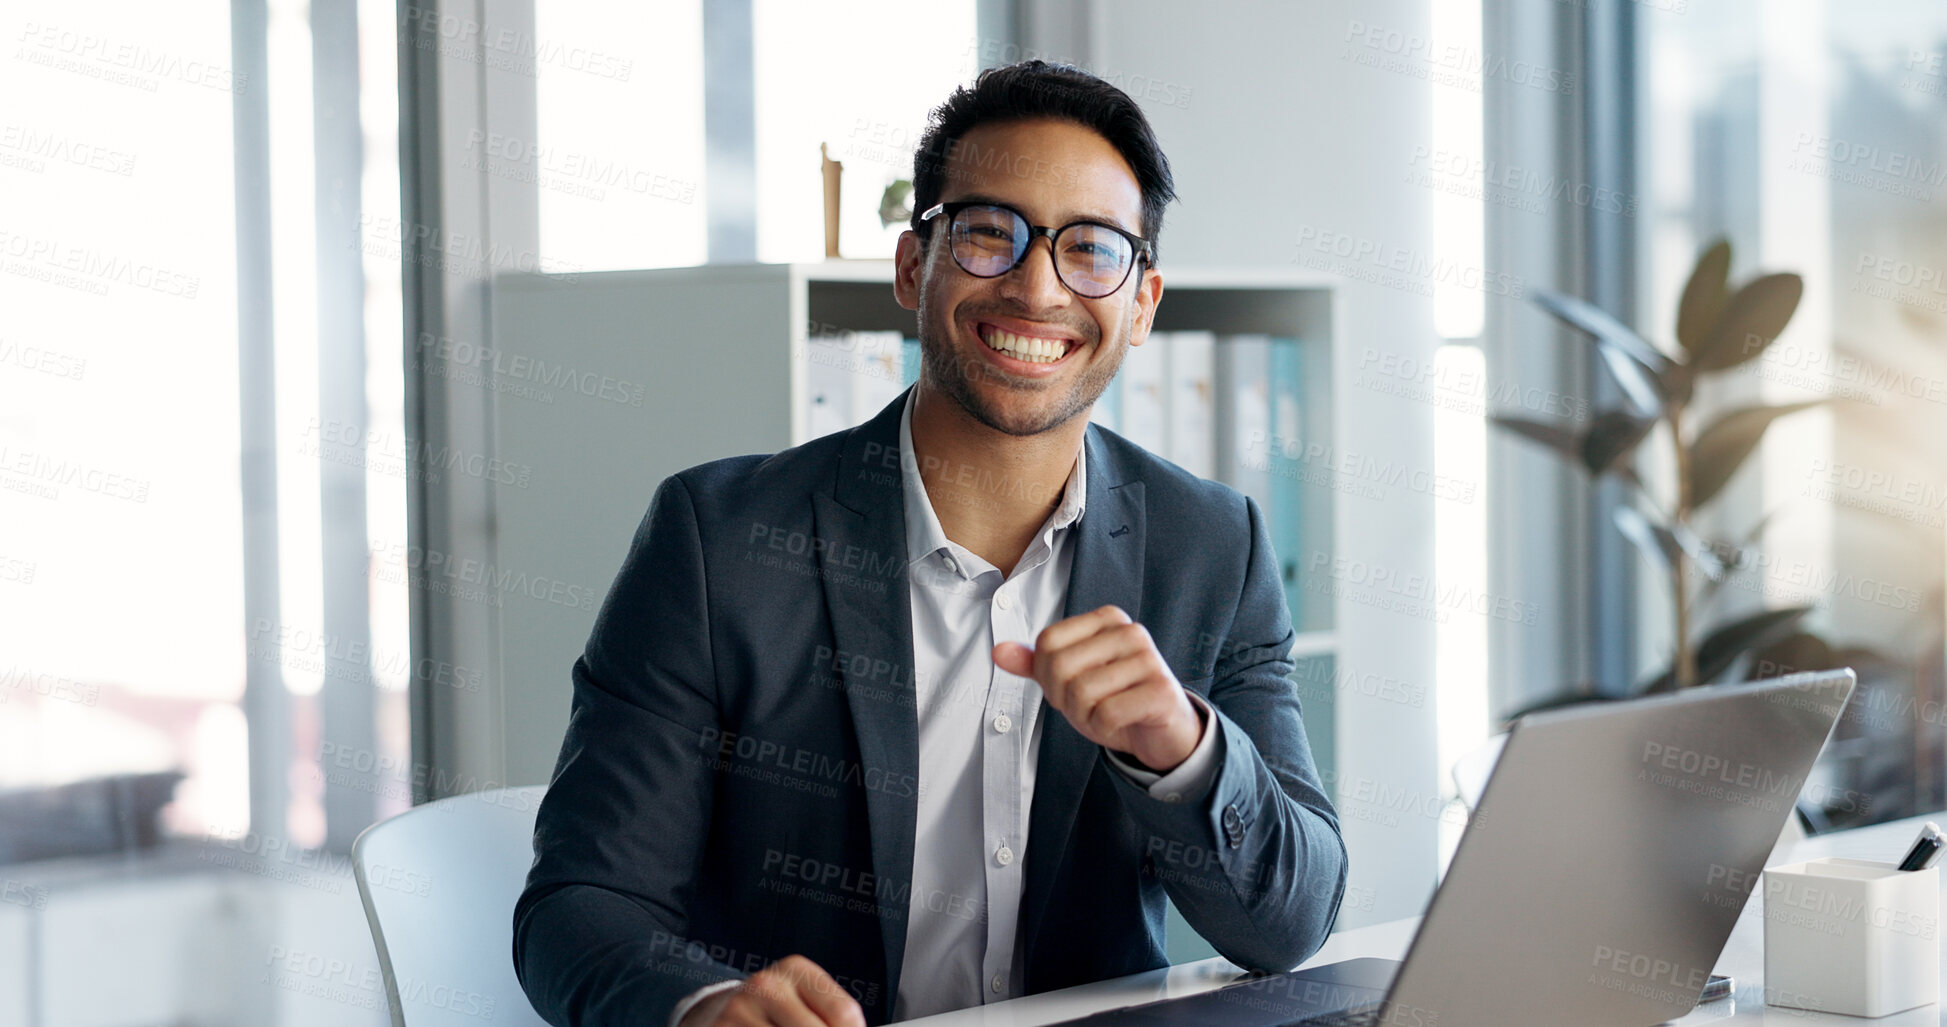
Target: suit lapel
point(1107, 568)
point(862, 564)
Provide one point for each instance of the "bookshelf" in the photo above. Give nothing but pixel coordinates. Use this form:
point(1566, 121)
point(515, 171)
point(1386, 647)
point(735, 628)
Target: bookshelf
point(601, 380)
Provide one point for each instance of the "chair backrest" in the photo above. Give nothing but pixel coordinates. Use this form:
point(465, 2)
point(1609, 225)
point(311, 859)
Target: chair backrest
point(439, 884)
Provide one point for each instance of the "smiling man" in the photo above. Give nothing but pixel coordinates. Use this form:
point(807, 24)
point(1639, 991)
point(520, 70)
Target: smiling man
point(935, 711)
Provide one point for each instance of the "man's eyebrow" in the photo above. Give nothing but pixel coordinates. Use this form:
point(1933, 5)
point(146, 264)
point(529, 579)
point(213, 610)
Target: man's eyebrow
point(1067, 218)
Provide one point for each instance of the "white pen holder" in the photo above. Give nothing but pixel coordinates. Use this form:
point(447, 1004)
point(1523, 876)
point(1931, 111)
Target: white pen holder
point(1851, 936)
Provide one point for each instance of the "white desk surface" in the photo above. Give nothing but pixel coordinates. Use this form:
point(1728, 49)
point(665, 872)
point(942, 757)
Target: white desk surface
point(1743, 959)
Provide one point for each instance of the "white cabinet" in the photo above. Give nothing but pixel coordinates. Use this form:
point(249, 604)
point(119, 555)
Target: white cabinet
point(197, 934)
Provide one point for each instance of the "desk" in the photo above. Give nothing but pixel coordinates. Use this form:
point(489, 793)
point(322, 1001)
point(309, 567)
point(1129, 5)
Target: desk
point(1743, 959)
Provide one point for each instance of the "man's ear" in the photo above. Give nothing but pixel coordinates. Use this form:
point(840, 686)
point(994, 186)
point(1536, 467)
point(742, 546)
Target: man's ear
point(1149, 293)
point(908, 260)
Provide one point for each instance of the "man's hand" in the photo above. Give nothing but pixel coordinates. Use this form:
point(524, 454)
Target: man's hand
point(1102, 671)
point(792, 992)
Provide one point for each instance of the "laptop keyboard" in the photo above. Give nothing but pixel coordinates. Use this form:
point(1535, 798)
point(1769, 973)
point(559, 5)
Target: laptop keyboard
point(1365, 1016)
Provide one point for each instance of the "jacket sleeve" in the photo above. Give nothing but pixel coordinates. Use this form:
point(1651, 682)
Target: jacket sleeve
point(1257, 864)
point(600, 931)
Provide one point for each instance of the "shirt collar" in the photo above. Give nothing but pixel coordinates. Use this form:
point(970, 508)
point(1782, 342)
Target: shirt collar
point(924, 536)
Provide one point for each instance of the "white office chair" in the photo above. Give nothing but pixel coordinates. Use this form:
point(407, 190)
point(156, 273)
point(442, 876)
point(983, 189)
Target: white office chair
point(439, 884)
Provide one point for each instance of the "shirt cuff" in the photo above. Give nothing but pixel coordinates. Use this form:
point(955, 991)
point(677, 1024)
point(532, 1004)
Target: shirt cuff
point(693, 998)
point(1193, 776)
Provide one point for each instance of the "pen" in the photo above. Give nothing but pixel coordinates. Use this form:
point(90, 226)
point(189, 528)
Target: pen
point(1925, 850)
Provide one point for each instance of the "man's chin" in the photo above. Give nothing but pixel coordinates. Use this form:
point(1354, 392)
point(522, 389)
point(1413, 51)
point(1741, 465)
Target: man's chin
point(1020, 422)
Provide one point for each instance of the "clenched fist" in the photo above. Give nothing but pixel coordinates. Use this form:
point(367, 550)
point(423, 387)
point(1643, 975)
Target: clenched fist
point(792, 992)
point(1102, 671)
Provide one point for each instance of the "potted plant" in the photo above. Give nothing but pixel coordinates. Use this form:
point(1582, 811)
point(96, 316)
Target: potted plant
point(1718, 328)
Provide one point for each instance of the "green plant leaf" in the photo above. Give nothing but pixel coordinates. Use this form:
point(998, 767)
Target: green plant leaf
point(1726, 643)
point(1721, 648)
point(1703, 297)
point(1798, 651)
point(1642, 389)
point(1606, 329)
point(1575, 696)
point(1752, 320)
point(1663, 543)
point(1735, 556)
point(1612, 434)
point(1655, 541)
point(1723, 447)
point(896, 203)
point(1626, 470)
point(1677, 381)
point(1705, 555)
point(1562, 440)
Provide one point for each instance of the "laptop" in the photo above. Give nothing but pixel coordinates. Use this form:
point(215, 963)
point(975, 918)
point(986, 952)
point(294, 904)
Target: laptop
point(1599, 877)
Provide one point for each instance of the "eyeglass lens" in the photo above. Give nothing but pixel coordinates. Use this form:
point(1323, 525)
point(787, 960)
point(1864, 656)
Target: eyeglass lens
point(1091, 259)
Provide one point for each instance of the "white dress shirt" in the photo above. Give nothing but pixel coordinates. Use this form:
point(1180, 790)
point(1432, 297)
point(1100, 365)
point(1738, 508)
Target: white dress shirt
point(979, 735)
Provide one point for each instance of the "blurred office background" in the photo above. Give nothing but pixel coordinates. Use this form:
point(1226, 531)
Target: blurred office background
point(345, 344)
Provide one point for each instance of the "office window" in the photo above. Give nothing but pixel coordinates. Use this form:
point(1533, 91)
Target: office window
point(124, 557)
point(205, 663)
point(123, 574)
point(618, 159)
point(1459, 450)
point(1813, 135)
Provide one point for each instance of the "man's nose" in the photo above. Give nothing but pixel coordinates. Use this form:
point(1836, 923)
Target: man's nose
point(1033, 282)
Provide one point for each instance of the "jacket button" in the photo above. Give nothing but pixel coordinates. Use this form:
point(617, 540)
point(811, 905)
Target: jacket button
point(1233, 825)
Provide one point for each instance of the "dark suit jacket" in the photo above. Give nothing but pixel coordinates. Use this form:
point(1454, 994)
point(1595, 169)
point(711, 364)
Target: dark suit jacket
point(739, 777)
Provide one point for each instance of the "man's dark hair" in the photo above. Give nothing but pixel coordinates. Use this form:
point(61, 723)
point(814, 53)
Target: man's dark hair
point(1038, 89)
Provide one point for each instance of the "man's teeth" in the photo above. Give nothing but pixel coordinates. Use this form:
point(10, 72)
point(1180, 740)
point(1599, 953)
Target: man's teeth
point(1022, 347)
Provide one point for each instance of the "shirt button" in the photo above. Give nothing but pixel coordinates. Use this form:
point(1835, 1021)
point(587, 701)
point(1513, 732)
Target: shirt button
point(1001, 600)
point(1004, 855)
point(1002, 723)
point(999, 983)
point(950, 565)
point(1173, 797)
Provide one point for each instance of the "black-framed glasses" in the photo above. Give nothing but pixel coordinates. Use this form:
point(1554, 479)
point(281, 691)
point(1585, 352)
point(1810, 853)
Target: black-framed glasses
point(988, 240)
